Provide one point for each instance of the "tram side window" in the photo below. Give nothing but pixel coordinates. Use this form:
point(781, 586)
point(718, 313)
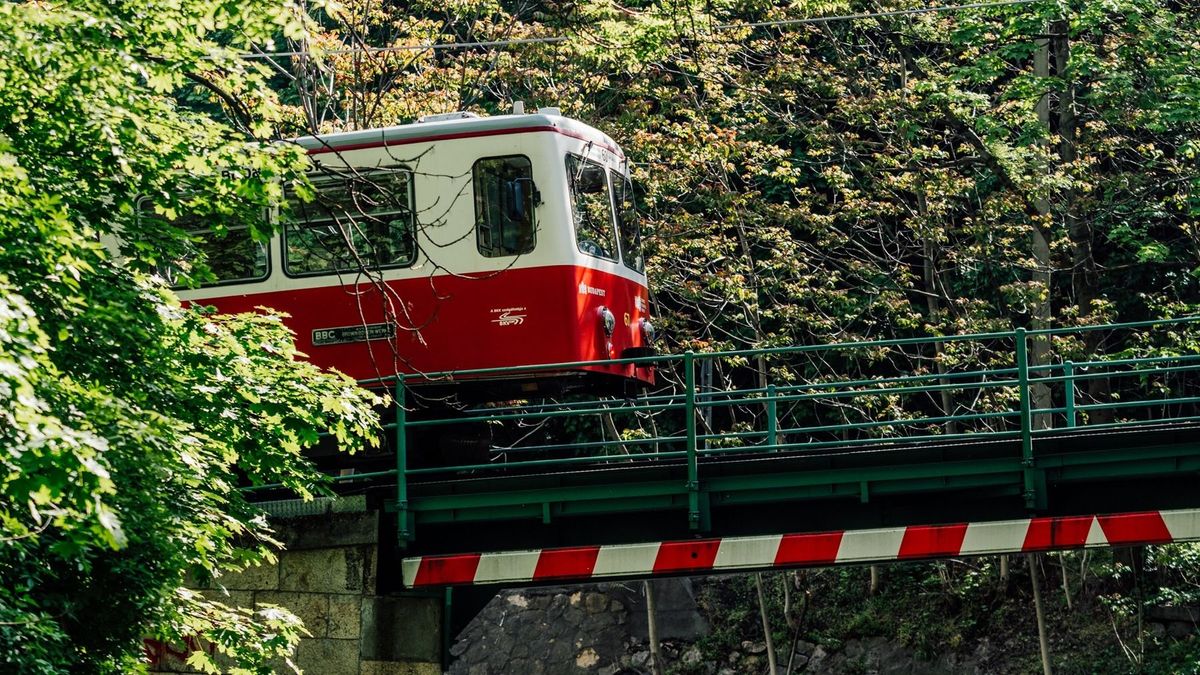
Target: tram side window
point(231, 254)
point(504, 205)
point(627, 223)
point(591, 206)
point(358, 219)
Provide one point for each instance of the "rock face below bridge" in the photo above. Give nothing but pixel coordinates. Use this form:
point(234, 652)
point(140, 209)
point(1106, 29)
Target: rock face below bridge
point(584, 629)
point(602, 630)
point(328, 577)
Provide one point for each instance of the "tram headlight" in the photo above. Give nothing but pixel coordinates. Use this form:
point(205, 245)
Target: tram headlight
point(648, 331)
point(608, 321)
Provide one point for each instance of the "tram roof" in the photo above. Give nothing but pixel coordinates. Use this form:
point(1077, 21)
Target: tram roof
point(467, 127)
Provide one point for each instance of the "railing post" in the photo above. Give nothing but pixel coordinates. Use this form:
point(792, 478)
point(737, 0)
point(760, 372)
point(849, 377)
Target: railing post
point(693, 477)
point(1026, 416)
point(404, 534)
point(1069, 394)
point(772, 419)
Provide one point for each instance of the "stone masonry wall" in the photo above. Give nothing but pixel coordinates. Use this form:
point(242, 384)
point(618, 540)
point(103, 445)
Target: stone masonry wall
point(327, 576)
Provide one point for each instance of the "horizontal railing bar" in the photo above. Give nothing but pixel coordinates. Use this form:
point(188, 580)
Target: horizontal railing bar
point(390, 473)
point(881, 423)
point(586, 444)
point(1113, 374)
point(730, 434)
point(1142, 403)
point(1153, 323)
point(542, 415)
point(544, 462)
point(909, 422)
point(1047, 411)
point(1121, 424)
point(783, 388)
point(840, 346)
point(893, 440)
point(566, 405)
point(996, 384)
point(1134, 361)
point(447, 376)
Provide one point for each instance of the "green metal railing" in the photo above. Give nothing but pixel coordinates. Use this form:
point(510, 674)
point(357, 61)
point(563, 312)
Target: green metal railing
point(1015, 386)
point(948, 389)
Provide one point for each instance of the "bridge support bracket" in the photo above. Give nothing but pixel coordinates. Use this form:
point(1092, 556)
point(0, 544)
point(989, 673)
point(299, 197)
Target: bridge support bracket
point(699, 508)
point(1035, 490)
point(693, 489)
point(404, 524)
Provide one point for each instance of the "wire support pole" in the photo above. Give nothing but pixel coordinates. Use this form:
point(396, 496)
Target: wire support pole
point(1022, 345)
point(772, 419)
point(1069, 394)
point(403, 530)
point(693, 471)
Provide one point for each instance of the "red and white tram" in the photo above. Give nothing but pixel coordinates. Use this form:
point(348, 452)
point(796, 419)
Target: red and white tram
point(455, 243)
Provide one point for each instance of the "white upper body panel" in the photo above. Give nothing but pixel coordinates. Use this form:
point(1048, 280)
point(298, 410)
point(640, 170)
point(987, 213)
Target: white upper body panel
point(441, 156)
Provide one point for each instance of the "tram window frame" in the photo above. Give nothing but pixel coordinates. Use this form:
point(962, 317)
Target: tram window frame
point(534, 199)
point(612, 216)
point(336, 175)
point(187, 224)
point(626, 184)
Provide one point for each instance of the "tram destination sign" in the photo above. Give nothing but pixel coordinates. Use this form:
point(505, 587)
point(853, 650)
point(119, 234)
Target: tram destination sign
point(345, 334)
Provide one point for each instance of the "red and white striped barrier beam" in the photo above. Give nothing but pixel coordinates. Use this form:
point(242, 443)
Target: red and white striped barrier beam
point(702, 556)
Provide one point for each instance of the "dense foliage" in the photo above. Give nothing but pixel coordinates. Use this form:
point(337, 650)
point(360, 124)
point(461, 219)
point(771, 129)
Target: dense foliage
point(878, 177)
point(906, 175)
point(127, 421)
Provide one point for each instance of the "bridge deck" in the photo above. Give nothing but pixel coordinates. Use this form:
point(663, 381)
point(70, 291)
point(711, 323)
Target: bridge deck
point(807, 438)
point(1078, 471)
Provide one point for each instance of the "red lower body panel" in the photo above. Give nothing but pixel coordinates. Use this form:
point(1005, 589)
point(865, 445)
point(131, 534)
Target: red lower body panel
point(443, 323)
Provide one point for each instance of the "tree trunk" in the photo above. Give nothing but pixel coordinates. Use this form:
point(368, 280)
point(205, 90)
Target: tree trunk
point(762, 610)
point(797, 623)
point(934, 305)
point(656, 662)
point(1039, 347)
point(1062, 564)
point(1083, 561)
point(1138, 560)
point(611, 427)
point(1043, 641)
point(1085, 277)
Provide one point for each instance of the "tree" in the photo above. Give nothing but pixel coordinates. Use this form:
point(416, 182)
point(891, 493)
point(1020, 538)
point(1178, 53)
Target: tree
point(127, 421)
point(890, 177)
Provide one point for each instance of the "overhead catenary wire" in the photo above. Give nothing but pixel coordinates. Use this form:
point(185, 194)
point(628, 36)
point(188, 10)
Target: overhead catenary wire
point(416, 48)
point(874, 15)
point(446, 46)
